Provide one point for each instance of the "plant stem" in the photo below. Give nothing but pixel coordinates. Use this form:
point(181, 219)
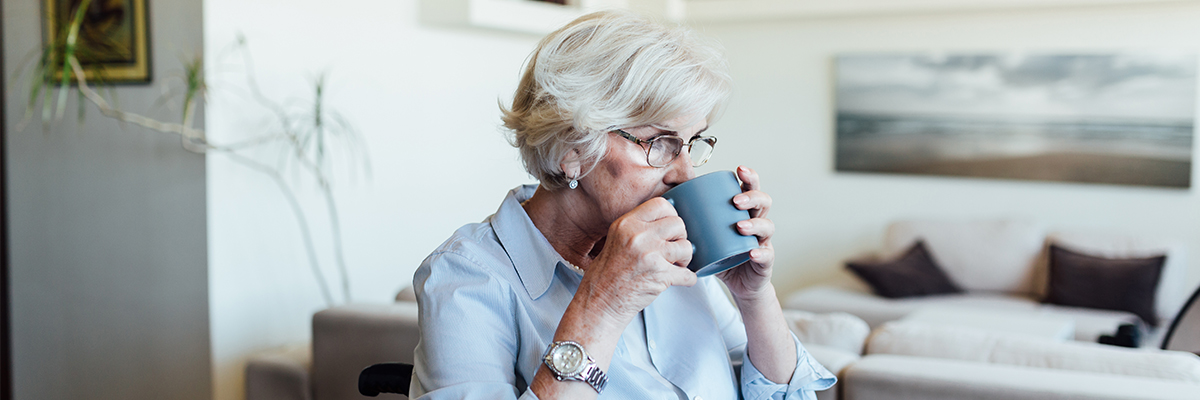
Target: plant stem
point(194, 137)
point(300, 220)
point(69, 55)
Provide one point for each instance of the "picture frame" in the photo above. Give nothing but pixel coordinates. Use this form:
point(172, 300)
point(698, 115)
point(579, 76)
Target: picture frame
point(113, 43)
point(1113, 117)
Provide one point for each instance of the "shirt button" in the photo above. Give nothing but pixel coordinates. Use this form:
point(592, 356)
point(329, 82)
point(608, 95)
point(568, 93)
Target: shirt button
point(697, 398)
point(652, 346)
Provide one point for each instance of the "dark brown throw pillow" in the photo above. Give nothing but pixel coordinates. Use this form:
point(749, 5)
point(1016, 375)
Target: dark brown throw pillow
point(913, 274)
point(1121, 284)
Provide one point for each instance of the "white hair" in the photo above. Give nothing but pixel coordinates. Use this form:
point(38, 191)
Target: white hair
point(603, 71)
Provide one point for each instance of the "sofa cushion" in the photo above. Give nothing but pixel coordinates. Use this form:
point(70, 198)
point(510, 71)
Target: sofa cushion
point(895, 377)
point(837, 330)
point(1122, 284)
point(949, 342)
point(995, 256)
point(1090, 323)
point(1172, 290)
point(914, 273)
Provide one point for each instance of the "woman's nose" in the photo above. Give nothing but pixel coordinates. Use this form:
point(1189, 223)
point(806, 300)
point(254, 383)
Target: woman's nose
point(681, 170)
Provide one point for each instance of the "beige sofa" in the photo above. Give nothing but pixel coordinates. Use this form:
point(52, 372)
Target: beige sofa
point(896, 361)
point(1002, 266)
point(906, 360)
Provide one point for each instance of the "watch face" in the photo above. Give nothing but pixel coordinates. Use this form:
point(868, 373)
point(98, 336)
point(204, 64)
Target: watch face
point(567, 358)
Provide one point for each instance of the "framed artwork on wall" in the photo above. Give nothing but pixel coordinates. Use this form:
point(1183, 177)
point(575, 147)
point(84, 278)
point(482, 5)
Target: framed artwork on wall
point(1109, 118)
point(112, 45)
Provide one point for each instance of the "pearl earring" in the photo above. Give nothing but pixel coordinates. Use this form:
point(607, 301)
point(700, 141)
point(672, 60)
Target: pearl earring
point(573, 184)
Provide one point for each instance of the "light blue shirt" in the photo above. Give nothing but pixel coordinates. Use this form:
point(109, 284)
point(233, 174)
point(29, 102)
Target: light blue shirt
point(491, 298)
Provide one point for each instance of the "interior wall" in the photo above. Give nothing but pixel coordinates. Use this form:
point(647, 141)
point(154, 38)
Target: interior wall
point(781, 122)
point(108, 250)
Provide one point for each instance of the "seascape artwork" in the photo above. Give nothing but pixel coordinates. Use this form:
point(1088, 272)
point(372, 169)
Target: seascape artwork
point(1122, 119)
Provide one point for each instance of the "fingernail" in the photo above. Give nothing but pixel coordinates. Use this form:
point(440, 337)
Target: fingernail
point(739, 199)
point(744, 224)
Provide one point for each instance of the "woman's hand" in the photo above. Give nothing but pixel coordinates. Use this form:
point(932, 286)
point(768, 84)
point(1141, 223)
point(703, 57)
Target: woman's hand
point(752, 280)
point(646, 251)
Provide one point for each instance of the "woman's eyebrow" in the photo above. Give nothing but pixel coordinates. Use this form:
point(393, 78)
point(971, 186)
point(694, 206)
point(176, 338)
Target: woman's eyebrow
point(662, 131)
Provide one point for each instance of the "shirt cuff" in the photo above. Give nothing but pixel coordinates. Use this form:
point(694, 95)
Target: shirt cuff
point(810, 376)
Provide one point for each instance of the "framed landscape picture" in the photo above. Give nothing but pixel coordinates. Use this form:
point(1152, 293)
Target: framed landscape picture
point(112, 44)
point(1110, 118)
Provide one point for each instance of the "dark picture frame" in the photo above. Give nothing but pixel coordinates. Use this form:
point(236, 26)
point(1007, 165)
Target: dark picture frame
point(113, 41)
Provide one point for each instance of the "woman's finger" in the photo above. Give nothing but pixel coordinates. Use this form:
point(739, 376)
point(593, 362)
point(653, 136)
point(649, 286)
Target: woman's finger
point(761, 227)
point(669, 228)
point(681, 276)
point(654, 209)
point(749, 178)
point(678, 252)
point(764, 256)
point(755, 201)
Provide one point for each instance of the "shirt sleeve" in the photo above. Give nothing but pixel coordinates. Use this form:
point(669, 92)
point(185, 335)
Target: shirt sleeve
point(469, 344)
point(810, 376)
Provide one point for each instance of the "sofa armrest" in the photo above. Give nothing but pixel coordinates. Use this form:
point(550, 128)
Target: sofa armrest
point(281, 375)
point(837, 330)
point(835, 360)
point(348, 338)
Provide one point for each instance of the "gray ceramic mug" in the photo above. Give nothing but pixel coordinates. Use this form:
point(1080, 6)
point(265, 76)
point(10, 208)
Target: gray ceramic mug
point(706, 205)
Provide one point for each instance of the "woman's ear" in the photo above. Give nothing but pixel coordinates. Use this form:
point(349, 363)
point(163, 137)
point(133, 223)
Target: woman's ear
point(571, 165)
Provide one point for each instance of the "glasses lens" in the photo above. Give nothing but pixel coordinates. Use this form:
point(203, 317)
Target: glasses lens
point(701, 150)
point(663, 150)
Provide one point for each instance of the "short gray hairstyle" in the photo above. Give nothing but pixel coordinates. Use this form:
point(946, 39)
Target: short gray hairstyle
point(603, 71)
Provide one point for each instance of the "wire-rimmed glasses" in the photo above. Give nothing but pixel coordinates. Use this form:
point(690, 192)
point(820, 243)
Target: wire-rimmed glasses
point(663, 150)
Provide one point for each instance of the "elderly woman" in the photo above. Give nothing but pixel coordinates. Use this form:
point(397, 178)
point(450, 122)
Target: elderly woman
point(577, 287)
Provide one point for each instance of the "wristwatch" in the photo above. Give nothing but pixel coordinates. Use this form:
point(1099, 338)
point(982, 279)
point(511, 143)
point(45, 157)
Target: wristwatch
point(568, 361)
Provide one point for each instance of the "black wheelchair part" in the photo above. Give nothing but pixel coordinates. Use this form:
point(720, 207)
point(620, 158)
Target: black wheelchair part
point(385, 378)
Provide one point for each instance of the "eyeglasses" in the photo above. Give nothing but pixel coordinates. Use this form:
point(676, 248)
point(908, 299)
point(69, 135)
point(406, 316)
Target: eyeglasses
point(663, 150)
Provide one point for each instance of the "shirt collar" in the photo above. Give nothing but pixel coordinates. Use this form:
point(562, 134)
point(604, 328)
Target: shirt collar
point(531, 254)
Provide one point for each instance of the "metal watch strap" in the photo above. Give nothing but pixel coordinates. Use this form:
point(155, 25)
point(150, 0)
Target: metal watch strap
point(592, 375)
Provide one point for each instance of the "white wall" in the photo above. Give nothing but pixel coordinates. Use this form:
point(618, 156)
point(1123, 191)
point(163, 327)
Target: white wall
point(782, 119)
point(109, 290)
point(425, 99)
